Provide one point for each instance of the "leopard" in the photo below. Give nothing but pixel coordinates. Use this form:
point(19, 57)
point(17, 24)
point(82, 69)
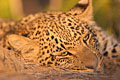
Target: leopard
point(65, 39)
point(56, 38)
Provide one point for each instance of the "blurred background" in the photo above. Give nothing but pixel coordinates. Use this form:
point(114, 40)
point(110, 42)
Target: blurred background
point(106, 12)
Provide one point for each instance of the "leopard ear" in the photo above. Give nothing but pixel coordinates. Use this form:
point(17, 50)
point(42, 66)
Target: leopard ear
point(16, 41)
point(25, 46)
point(84, 8)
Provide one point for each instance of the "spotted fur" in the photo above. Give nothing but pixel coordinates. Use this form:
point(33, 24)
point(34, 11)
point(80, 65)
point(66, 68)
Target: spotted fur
point(63, 38)
point(67, 39)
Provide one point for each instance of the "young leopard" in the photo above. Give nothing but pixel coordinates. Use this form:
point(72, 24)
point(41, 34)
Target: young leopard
point(57, 39)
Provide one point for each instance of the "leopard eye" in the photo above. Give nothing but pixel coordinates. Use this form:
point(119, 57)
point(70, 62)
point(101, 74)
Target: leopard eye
point(86, 38)
point(66, 53)
point(90, 40)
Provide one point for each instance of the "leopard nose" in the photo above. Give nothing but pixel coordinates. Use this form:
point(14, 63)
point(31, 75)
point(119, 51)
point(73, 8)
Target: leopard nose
point(88, 58)
point(94, 62)
point(90, 61)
